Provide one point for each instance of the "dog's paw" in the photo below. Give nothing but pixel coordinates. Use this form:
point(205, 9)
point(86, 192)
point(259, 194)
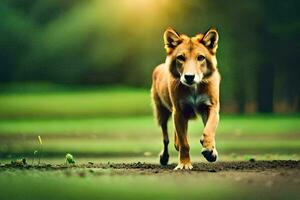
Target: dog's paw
point(211, 155)
point(182, 166)
point(164, 159)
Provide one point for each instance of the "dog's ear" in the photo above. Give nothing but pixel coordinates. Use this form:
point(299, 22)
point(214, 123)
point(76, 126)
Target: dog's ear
point(210, 40)
point(171, 39)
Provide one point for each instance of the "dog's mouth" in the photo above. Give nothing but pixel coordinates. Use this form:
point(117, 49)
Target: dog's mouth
point(188, 84)
point(191, 80)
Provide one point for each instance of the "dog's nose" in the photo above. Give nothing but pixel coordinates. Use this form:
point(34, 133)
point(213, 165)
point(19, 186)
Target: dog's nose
point(189, 78)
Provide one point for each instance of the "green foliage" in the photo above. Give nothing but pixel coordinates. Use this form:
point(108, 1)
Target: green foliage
point(81, 42)
point(70, 159)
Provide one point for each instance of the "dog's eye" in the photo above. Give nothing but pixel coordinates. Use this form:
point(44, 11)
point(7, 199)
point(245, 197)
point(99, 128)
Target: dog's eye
point(180, 58)
point(200, 58)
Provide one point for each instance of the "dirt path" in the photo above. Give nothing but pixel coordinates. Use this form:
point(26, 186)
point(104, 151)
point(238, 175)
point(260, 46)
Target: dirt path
point(251, 165)
point(213, 167)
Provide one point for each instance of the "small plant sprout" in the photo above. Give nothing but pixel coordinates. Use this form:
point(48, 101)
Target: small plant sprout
point(41, 148)
point(70, 159)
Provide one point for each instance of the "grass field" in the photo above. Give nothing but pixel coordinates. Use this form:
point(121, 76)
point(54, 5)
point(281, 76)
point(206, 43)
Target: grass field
point(82, 184)
point(136, 136)
point(116, 126)
point(79, 103)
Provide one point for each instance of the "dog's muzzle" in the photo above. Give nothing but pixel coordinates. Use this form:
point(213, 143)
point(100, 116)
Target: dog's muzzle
point(190, 79)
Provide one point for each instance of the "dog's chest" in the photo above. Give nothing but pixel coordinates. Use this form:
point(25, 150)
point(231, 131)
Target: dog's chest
point(195, 101)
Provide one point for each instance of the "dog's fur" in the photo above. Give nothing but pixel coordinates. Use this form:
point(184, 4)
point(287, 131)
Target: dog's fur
point(185, 85)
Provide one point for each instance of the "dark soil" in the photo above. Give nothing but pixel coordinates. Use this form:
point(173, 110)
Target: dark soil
point(251, 165)
point(218, 166)
point(252, 173)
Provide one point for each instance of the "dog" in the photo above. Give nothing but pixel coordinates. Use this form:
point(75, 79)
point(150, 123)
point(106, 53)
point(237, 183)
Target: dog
point(186, 85)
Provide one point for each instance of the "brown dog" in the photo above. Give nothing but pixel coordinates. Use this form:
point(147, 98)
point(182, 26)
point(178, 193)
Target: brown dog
point(185, 85)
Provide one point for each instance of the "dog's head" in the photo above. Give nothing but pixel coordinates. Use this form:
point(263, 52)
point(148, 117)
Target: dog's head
point(191, 59)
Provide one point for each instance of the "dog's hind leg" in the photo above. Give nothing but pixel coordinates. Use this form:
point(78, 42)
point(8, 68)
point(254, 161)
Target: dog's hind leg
point(162, 116)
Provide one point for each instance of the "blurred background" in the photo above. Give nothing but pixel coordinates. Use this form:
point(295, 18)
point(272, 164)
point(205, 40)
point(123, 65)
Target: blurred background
point(78, 73)
point(118, 43)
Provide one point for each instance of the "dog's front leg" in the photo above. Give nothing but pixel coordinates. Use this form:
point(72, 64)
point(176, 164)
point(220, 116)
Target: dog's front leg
point(180, 124)
point(207, 140)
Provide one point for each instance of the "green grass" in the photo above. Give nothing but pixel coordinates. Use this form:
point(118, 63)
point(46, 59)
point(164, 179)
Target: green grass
point(107, 111)
point(57, 185)
point(82, 103)
point(146, 125)
point(119, 122)
point(136, 135)
point(138, 147)
point(116, 126)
